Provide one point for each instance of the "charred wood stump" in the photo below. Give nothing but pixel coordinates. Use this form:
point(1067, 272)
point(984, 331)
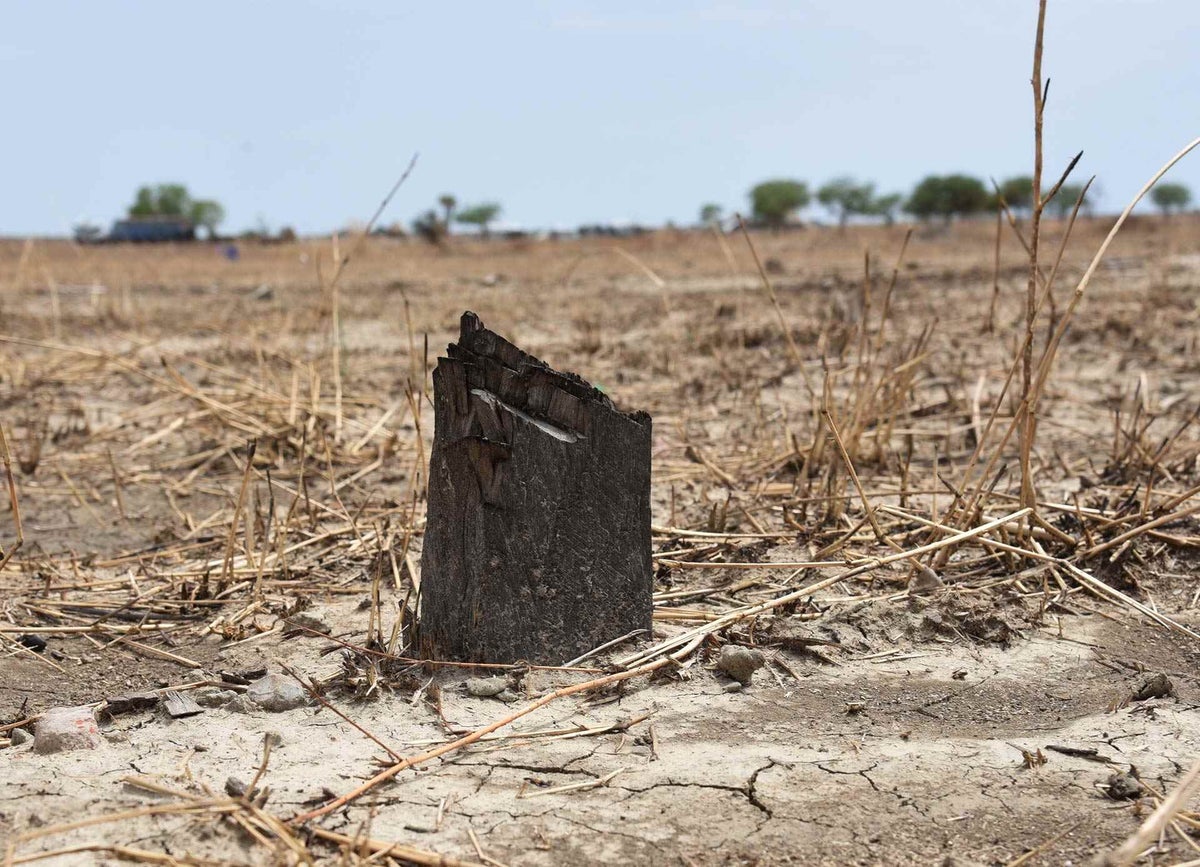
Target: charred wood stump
point(537, 543)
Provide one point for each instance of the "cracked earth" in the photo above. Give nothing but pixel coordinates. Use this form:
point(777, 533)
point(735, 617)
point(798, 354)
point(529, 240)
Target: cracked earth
point(899, 759)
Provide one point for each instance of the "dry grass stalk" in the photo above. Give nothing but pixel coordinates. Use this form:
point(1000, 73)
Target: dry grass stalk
point(1028, 429)
point(14, 503)
point(382, 849)
point(658, 282)
point(231, 543)
point(793, 350)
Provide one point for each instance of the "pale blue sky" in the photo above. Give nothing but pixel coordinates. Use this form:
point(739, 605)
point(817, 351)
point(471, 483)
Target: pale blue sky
point(304, 113)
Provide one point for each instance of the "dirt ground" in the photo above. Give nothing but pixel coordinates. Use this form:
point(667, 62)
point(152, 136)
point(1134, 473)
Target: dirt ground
point(976, 719)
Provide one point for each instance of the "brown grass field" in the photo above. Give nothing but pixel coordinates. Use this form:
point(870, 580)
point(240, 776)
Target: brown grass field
point(950, 679)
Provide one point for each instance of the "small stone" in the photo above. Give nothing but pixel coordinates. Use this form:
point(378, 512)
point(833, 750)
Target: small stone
point(733, 687)
point(740, 663)
point(274, 692)
point(34, 642)
point(212, 697)
point(508, 695)
point(309, 621)
point(240, 704)
point(486, 687)
point(234, 787)
point(1158, 686)
point(925, 581)
point(1124, 786)
point(17, 737)
point(66, 728)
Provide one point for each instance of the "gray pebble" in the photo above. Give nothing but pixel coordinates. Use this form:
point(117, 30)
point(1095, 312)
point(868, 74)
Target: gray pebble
point(240, 704)
point(274, 692)
point(740, 663)
point(925, 581)
point(212, 697)
point(486, 687)
point(19, 736)
point(309, 621)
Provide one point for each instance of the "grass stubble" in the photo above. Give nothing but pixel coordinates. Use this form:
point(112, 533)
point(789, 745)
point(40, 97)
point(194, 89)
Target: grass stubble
point(286, 453)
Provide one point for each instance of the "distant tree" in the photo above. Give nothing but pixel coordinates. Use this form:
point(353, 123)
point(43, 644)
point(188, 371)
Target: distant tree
point(1171, 197)
point(774, 201)
point(1063, 202)
point(886, 207)
point(710, 213)
point(1018, 193)
point(947, 196)
point(144, 203)
point(161, 200)
point(448, 203)
point(480, 215)
point(206, 213)
point(967, 195)
point(928, 199)
point(174, 200)
point(846, 197)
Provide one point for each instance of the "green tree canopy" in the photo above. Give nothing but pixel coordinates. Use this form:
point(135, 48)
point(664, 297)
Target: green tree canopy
point(1018, 192)
point(480, 215)
point(161, 200)
point(947, 196)
point(1171, 197)
point(710, 213)
point(886, 206)
point(774, 201)
point(174, 200)
point(207, 213)
point(144, 204)
point(845, 197)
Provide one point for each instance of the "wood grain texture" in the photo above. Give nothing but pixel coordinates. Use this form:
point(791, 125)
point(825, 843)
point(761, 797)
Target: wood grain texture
point(537, 545)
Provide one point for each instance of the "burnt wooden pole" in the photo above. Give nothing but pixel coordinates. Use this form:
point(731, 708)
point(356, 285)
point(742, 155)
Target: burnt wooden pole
point(537, 544)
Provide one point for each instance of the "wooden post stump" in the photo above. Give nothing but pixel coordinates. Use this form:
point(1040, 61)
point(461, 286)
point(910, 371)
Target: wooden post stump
point(537, 543)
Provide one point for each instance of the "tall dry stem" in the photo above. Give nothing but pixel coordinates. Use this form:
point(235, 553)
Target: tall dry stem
point(6, 459)
point(1029, 425)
